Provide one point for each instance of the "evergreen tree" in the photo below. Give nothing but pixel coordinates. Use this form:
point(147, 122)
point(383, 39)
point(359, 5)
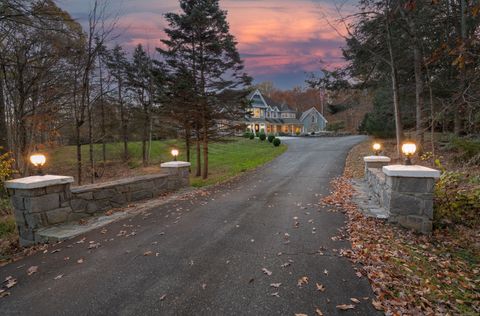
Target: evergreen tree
point(117, 64)
point(199, 40)
point(142, 83)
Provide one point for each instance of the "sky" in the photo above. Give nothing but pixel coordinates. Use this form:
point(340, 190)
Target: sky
point(280, 40)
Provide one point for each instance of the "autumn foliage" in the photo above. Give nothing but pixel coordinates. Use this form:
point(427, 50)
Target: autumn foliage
point(411, 274)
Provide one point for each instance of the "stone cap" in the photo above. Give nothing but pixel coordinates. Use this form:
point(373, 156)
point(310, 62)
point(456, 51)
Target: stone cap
point(410, 171)
point(376, 159)
point(175, 164)
point(36, 182)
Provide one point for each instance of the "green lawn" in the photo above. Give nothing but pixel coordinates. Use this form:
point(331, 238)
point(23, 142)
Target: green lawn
point(226, 159)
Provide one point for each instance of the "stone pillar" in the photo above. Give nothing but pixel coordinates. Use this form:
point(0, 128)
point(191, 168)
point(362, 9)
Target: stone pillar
point(38, 202)
point(411, 196)
point(376, 162)
point(178, 174)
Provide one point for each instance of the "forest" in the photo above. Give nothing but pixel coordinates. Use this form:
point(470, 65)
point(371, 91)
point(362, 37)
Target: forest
point(61, 84)
point(420, 60)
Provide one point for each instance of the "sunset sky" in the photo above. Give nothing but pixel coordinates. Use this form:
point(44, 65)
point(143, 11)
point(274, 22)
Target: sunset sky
point(280, 40)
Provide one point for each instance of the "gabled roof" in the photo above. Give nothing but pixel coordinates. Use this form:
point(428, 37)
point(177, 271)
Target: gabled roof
point(282, 107)
point(308, 112)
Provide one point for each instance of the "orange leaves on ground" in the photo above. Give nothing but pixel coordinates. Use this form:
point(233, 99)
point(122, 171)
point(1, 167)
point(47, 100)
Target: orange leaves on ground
point(409, 274)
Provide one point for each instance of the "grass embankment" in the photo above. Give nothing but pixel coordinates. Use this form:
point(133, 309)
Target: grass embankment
point(226, 160)
point(413, 274)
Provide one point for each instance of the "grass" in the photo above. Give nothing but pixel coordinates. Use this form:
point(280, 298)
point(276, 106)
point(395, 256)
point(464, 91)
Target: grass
point(226, 159)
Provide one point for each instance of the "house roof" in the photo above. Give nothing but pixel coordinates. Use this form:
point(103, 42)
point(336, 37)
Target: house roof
point(308, 112)
point(274, 120)
point(282, 107)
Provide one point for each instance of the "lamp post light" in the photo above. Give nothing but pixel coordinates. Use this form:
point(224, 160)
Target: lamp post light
point(175, 154)
point(376, 148)
point(38, 160)
point(409, 150)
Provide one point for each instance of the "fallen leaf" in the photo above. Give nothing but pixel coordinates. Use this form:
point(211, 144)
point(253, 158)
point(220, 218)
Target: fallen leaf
point(56, 250)
point(4, 293)
point(275, 294)
point(11, 283)
point(378, 305)
point(318, 312)
point(80, 260)
point(204, 286)
point(302, 281)
point(32, 270)
point(325, 271)
point(275, 285)
point(58, 277)
point(320, 287)
point(345, 306)
point(267, 272)
point(301, 315)
point(148, 253)
point(163, 297)
point(353, 299)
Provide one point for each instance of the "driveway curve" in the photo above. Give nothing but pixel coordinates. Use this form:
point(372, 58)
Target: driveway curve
point(255, 246)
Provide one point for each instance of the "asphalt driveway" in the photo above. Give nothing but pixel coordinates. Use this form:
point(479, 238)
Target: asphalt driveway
point(255, 246)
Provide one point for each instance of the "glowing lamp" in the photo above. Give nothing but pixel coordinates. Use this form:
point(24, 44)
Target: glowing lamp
point(409, 150)
point(38, 160)
point(175, 154)
point(376, 148)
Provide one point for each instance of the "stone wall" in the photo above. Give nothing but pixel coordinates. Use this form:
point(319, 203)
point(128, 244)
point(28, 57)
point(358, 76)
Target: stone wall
point(41, 202)
point(409, 200)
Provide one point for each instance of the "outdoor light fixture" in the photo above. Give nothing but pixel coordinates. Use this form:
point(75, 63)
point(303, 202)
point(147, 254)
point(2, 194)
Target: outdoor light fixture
point(175, 154)
point(376, 148)
point(38, 160)
point(409, 150)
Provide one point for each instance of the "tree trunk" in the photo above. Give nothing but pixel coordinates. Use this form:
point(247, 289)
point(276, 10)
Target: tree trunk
point(102, 109)
point(123, 120)
point(419, 87)
point(459, 113)
point(395, 90)
point(419, 133)
point(79, 154)
point(145, 137)
point(3, 121)
point(187, 141)
point(199, 154)
point(205, 147)
point(90, 145)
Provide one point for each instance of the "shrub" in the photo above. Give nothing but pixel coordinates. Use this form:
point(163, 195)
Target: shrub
point(335, 126)
point(297, 133)
point(312, 133)
point(246, 134)
point(457, 199)
point(252, 135)
point(271, 137)
point(466, 148)
point(262, 136)
point(277, 142)
point(6, 169)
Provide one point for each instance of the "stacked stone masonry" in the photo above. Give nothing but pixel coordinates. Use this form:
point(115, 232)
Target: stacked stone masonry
point(42, 207)
point(409, 200)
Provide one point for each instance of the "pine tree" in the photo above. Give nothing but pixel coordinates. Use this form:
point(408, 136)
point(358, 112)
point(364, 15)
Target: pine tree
point(199, 39)
point(117, 64)
point(142, 83)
